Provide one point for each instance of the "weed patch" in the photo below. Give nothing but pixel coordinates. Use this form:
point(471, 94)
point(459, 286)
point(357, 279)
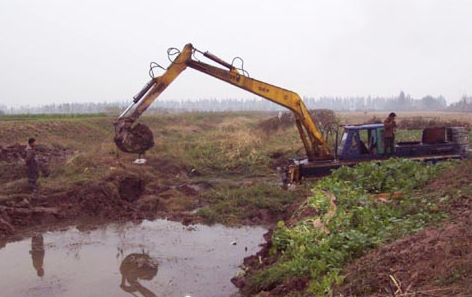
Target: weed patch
point(261, 203)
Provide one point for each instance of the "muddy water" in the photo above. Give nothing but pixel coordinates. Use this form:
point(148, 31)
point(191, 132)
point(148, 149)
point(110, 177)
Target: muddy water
point(158, 258)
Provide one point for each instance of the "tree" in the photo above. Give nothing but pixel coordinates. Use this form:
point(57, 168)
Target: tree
point(431, 103)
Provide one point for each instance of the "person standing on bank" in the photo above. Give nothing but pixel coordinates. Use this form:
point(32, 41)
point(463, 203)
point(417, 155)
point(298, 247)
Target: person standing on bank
point(390, 127)
point(32, 164)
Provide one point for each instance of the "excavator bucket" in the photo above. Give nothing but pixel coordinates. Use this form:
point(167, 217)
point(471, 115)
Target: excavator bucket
point(136, 139)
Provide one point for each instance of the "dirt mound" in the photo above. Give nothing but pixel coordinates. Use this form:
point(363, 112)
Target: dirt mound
point(120, 196)
point(285, 120)
point(418, 122)
point(414, 123)
point(454, 178)
point(12, 153)
point(12, 160)
point(112, 198)
point(435, 261)
point(17, 152)
point(131, 188)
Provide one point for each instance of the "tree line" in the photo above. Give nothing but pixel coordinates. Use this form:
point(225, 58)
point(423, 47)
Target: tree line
point(401, 102)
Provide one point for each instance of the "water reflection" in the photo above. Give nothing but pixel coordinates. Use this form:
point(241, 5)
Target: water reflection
point(135, 267)
point(37, 254)
point(119, 260)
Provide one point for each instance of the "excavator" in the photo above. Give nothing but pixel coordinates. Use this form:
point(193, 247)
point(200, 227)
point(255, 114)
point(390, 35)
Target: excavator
point(357, 144)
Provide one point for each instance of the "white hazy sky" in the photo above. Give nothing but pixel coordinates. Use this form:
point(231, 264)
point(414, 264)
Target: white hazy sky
point(58, 51)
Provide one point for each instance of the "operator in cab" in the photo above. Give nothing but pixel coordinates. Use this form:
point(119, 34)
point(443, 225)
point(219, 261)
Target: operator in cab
point(390, 127)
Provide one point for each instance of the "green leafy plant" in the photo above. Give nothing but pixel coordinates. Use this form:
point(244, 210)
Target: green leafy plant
point(346, 226)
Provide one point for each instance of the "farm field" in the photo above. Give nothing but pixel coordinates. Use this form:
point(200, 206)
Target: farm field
point(220, 168)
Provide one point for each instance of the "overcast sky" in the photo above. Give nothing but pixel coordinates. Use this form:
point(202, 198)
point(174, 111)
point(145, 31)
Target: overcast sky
point(58, 51)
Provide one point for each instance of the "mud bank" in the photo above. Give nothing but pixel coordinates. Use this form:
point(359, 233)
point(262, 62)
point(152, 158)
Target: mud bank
point(120, 195)
point(122, 191)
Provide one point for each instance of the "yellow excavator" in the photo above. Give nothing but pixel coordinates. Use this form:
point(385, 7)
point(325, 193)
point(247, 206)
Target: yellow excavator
point(139, 138)
point(353, 147)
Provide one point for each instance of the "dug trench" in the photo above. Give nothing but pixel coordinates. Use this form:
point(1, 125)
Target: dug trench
point(128, 192)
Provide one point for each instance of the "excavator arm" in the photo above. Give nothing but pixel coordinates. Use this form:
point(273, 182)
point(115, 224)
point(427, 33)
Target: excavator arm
point(139, 138)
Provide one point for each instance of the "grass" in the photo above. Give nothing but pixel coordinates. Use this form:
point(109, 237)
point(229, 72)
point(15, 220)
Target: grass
point(231, 206)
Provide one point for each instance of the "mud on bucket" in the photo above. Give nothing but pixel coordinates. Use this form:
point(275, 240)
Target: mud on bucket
point(136, 139)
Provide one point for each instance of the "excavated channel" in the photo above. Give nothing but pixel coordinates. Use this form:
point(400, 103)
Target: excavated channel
point(153, 258)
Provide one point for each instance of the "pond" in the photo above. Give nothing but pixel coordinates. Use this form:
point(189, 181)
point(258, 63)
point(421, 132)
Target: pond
point(153, 258)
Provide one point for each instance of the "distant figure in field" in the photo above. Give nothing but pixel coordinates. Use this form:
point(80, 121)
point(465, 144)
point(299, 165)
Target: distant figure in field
point(390, 127)
point(32, 164)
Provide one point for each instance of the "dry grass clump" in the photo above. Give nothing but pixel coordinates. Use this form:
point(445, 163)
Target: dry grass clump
point(415, 123)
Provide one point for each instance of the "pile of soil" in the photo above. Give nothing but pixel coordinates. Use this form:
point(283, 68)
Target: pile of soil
point(433, 262)
point(111, 199)
point(12, 153)
point(17, 153)
point(285, 120)
point(119, 196)
point(12, 160)
point(416, 123)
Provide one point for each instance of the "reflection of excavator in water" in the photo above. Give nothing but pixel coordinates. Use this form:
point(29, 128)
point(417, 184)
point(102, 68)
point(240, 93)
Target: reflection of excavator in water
point(358, 143)
point(135, 267)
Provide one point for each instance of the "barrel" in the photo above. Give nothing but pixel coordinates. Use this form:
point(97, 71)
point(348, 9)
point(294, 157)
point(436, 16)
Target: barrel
point(458, 135)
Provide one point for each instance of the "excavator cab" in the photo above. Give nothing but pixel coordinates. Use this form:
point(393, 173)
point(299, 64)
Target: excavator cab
point(361, 142)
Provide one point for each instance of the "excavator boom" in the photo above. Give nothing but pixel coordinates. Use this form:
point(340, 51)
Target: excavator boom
point(139, 138)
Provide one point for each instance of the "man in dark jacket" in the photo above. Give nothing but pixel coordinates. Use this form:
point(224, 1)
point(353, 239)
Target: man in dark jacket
point(390, 127)
point(32, 164)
